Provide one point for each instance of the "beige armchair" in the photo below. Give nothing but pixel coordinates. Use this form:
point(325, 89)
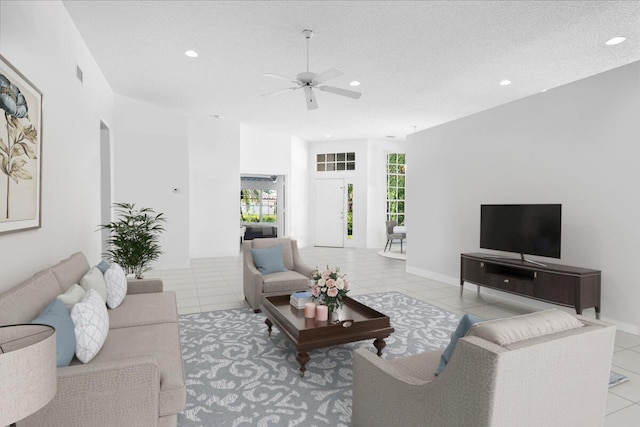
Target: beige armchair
point(256, 286)
point(541, 379)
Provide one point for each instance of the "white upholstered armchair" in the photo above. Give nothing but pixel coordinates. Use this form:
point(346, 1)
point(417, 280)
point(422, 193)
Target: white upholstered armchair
point(509, 372)
point(257, 285)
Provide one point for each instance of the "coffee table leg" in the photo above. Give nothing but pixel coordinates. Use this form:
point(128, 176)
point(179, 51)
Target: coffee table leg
point(379, 344)
point(269, 325)
point(302, 359)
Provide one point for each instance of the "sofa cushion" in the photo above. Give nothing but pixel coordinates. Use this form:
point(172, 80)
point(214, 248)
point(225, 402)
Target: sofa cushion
point(116, 282)
point(519, 328)
point(70, 270)
point(72, 296)
point(91, 325)
point(24, 302)
point(144, 309)
point(94, 279)
point(161, 341)
point(56, 314)
point(463, 328)
point(284, 281)
point(268, 260)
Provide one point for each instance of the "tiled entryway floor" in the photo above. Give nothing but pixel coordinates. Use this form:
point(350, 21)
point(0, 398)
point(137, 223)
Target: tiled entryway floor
point(216, 284)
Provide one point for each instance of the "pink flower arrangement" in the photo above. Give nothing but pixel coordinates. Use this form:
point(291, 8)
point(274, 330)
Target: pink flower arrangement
point(329, 287)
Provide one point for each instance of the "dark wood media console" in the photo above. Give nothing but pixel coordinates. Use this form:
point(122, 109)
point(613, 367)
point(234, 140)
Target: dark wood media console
point(558, 284)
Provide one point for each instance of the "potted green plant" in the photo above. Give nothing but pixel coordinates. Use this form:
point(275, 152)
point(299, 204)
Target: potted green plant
point(133, 239)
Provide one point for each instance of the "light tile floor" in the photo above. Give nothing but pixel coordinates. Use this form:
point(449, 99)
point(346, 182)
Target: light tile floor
point(216, 284)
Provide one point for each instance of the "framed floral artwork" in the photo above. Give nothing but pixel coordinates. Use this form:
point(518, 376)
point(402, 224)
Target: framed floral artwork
point(20, 150)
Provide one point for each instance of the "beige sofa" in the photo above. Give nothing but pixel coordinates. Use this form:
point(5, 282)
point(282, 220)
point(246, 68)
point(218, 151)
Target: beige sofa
point(510, 372)
point(136, 379)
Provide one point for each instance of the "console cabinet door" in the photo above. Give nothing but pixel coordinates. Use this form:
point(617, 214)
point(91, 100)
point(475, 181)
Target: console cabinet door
point(473, 270)
point(555, 287)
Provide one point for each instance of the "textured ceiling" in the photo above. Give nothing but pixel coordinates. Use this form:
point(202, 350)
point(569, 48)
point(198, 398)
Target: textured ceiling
point(420, 63)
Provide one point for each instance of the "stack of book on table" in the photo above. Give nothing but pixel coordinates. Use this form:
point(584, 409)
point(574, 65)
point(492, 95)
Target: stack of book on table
point(299, 299)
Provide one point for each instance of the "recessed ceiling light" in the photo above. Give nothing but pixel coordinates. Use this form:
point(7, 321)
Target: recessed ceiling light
point(354, 83)
point(614, 41)
point(543, 90)
point(327, 136)
point(191, 53)
point(390, 136)
point(505, 82)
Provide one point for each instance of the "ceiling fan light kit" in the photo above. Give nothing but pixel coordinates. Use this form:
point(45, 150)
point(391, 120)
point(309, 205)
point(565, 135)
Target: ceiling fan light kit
point(309, 81)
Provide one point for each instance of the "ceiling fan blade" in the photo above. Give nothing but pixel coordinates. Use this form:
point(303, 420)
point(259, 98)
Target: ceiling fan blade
point(338, 91)
point(312, 103)
point(278, 76)
point(278, 92)
point(328, 75)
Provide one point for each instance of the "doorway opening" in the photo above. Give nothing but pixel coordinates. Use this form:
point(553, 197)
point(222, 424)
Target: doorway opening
point(105, 181)
point(262, 212)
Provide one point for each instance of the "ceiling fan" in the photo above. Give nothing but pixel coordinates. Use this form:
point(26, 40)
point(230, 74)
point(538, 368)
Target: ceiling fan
point(307, 81)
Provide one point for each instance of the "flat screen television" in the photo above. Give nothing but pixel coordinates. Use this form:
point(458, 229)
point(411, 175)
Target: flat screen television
point(524, 229)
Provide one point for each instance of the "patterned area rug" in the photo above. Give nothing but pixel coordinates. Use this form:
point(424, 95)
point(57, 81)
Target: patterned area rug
point(238, 376)
point(616, 378)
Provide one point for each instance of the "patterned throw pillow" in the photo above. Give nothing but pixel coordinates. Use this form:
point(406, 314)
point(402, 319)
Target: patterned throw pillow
point(91, 325)
point(116, 281)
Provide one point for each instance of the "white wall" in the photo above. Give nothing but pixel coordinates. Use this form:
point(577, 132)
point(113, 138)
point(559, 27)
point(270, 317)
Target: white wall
point(297, 203)
point(574, 145)
point(263, 152)
point(42, 42)
point(214, 173)
point(151, 161)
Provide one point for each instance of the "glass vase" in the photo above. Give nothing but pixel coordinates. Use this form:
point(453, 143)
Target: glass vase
point(335, 313)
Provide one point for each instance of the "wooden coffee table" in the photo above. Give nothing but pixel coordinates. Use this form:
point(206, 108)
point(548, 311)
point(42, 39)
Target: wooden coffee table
point(359, 322)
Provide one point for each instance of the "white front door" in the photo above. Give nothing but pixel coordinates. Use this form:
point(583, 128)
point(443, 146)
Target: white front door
point(329, 212)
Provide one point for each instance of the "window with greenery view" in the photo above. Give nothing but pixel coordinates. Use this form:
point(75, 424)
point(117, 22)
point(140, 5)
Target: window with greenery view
point(395, 187)
point(258, 205)
point(349, 211)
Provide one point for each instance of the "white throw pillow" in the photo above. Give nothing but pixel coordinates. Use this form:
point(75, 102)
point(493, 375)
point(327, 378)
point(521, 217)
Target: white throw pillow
point(90, 325)
point(72, 295)
point(116, 281)
point(94, 279)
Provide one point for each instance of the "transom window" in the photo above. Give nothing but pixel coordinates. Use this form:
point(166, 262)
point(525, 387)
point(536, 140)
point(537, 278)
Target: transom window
point(335, 162)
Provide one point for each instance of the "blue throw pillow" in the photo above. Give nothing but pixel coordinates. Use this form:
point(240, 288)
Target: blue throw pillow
point(463, 327)
point(56, 314)
point(103, 266)
point(268, 260)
